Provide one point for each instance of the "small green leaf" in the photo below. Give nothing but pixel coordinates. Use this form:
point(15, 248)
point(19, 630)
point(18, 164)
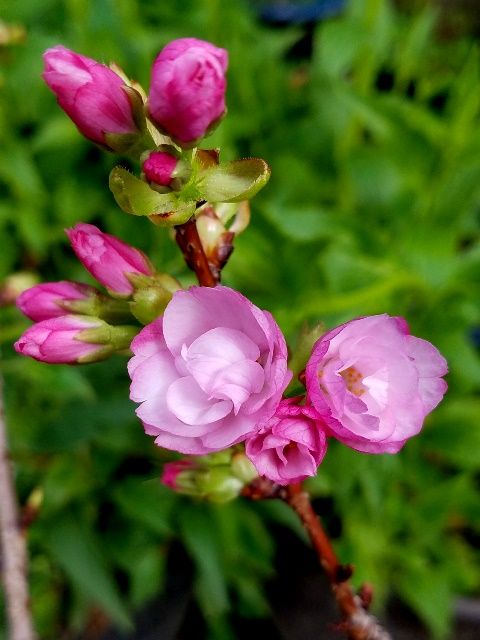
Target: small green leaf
point(136, 197)
point(234, 181)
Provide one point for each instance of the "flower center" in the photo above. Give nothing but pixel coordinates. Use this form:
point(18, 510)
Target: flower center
point(353, 381)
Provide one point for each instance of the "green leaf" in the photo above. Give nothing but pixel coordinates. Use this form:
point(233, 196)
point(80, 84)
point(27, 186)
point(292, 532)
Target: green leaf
point(234, 181)
point(78, 552)
point(200, 536)
point(136, 197)
point(147, 502)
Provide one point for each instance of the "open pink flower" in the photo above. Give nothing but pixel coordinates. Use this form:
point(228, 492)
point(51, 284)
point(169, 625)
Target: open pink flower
point(187, 93)
point(373, 383)
point(290, 446)
point(108, 259)
point(44, 301)
point(57, 340)
point(209, 371)
point(90, 93)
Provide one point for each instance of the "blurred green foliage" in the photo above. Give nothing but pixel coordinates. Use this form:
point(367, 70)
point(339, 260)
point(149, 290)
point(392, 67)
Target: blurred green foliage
point(373, 206)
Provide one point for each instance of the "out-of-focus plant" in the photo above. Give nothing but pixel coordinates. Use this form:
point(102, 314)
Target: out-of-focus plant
point(373, 206)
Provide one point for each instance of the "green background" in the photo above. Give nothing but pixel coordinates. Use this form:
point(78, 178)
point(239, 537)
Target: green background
point(373, 206)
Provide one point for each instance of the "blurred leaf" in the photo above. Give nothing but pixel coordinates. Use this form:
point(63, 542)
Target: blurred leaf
point(79, 553)
point(200, 538)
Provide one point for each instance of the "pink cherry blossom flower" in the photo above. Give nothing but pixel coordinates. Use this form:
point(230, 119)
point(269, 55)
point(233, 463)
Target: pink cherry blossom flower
point(373, 383)
point(187, 93)
point(209, 371)
point(159, 167)
point(58, 340)
point(44, 301)
point(107, 258)
point(90, 93)
point(290, 446)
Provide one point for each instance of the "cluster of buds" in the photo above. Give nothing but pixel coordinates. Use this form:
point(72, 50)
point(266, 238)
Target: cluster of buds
point(185, 103)
point(77, 323)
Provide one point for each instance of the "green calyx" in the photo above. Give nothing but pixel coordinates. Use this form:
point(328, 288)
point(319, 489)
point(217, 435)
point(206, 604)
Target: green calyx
point(200, 178)
point(151, 295)
point(136, 197)
point(109, 338)
point(113, 311)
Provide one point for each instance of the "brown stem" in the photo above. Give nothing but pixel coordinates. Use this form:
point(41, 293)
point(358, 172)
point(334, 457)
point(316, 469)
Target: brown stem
point(357, 623)
point(189, 242)
point(14, 554)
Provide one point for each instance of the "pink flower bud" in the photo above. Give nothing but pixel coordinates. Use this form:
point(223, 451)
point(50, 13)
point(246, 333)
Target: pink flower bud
point(172, 473)
point(373, 383)
point(44, 301)
point(159, 167)
point(107, 258)
point(90, 93)
point(187, 94)
point(57, 340)
point(290, 446)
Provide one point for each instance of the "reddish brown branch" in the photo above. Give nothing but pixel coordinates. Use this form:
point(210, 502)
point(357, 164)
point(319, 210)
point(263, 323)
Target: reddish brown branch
point(189, 242)
point(14, 554)
point(356, 623)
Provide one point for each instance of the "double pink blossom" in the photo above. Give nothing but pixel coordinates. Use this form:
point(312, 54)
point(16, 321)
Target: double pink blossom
point(48, 300)
point(187, 93)
point(290, 446)
point(209, 371)
point(107, 258)
point(373, 383)
point(90, 93)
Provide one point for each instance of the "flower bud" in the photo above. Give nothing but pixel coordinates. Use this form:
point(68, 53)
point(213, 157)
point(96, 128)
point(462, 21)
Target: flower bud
point(177, 475)
point(187, 94)
point(214, 483)
point(92, 95)
point(73, 339)
point(243, 468)
point(107, 258)
point(47, 300)
point(14, 285)
point(159, 168)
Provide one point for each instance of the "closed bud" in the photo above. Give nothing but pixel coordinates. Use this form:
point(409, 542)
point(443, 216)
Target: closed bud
point(73, 340)
point(164, 167)
point(98, 100)
point(243, 468)
point(14, 285)
point(51, 299)
point(201, 478)
point(187, 94)
point(107, 258)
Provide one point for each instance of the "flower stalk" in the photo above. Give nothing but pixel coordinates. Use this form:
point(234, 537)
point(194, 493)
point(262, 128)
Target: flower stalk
point(14, 553)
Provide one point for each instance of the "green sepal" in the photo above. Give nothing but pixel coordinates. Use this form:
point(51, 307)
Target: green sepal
point(234, 181)
point(151, 295)
point(297, 362)
point(136, 197)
